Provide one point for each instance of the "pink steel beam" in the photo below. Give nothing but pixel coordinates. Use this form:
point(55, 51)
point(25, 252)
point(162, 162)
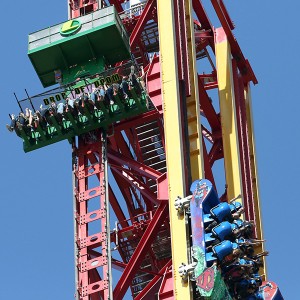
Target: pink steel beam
point(88, 281)
point(141, 250)
point(94, 169)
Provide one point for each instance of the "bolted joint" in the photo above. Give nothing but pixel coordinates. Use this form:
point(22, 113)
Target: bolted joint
point(186, 270)
point(181, 204)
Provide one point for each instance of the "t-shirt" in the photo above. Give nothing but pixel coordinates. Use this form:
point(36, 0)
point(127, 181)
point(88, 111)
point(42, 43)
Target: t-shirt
point(60, 108)
point(71, 102)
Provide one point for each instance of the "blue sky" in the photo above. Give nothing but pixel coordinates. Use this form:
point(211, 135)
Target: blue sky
point(36, 199)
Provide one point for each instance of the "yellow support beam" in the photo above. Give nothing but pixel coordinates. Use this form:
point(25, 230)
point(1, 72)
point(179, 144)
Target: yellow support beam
point(228, 116)
point(230, 134)
point(174, 146)
point(254, 179)
point(193, 104)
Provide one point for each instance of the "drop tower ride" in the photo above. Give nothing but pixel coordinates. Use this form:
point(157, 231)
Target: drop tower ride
point(144, 157)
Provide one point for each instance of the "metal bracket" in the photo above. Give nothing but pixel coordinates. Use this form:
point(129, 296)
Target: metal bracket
point(186, 270)
point(181, 204)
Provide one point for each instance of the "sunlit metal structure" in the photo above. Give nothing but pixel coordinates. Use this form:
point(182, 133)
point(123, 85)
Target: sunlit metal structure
point(131, 161)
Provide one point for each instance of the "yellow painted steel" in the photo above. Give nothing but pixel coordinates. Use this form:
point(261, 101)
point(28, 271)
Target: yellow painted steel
point(228, 116)
point(254, 179)
point(174, 147)
point(230, 134)
point(193, 104)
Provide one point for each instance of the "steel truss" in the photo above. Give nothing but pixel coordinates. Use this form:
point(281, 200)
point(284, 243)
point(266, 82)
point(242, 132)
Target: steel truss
point(138, 185)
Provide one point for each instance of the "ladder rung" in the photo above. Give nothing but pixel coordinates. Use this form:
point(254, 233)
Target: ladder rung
point(160, 148)
point(152, 129)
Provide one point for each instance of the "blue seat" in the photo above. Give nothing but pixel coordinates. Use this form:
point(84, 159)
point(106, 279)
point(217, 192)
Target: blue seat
point(221, 212)
point(223, 231)
point(224, 249)
point(208, 238)
point(210, 258)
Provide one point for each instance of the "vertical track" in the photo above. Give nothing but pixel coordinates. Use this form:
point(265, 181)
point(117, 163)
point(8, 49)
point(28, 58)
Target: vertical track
point(107, 210)
point(92, 221)
point(228, 116)
point(173, 125)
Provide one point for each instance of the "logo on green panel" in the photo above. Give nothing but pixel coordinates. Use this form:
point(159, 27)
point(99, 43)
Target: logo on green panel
point(70, 27)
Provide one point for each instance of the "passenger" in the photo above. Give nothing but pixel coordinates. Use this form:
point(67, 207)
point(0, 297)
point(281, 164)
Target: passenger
point(52, 109)
point(93, 99)
point(132, 77)
point(41, 116)
point(60, 112)
point(21, 121)
point(13, 123)
point(125, 87)
point(101, 93)
point(29, 117)
point(116, 88)
point(94, 96)
point(110, 94)
point(86, 98)
point(79, 104)
point(36, 119)
point(141, 79)
point(70, 106)
point(52, 112)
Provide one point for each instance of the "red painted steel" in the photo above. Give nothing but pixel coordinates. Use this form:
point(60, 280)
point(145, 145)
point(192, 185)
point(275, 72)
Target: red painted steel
point(143, 19)
point(243, 144)
point(137, 257)
point(242, 62)
point(138, 190)
point(92, 271)
point(79, 8)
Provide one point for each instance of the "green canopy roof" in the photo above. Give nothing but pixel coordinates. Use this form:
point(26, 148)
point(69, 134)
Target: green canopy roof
point(83, 45)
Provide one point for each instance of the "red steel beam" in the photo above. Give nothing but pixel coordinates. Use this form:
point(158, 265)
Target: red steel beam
point(203, 18)
point(141, 186)
point(117, 5)
point(207, 166)
point(124, 187)
point(153, 282)
point(142, 21)
point(148, 116)
point(136, 166)
point(112, 198)
point(121, 266)
point(242, 63)
point(216, 152)
point(243, 144)
point(209, 111)
point(140, 251)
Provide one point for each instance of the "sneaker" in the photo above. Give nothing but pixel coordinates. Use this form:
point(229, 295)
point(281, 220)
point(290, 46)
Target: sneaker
point(9, 128)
